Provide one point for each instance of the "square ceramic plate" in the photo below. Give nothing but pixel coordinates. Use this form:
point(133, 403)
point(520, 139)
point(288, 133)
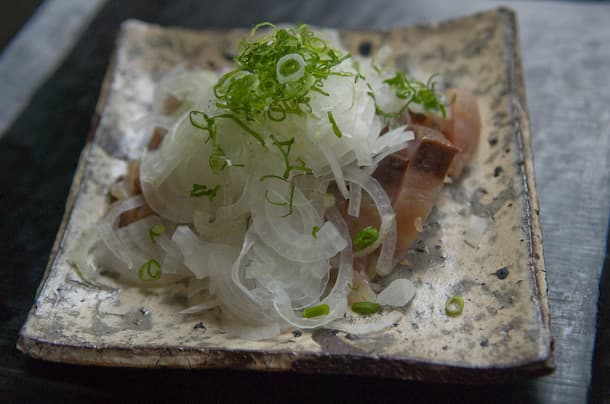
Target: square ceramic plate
point(486, 221)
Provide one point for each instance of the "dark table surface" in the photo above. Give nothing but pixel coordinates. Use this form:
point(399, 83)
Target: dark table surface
point(50, 80)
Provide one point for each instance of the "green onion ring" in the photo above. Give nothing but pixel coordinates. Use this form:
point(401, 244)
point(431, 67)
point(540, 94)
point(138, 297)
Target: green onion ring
point(315, 311)
point(454, 306)
point(366, 307)
point(296, 68)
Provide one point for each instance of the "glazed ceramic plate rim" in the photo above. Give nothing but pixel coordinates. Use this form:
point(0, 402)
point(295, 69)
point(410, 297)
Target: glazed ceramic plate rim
point(344, 359)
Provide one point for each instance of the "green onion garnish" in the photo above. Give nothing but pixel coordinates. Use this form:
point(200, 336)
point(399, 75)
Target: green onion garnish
point(366, 307)
point(284, 147)
point(315, 311)
point(365, 237)
point(274, 74)
point(290, 67)
point(203, 190)
point(454, 306)
point(218, 160)
point(314, 231)
point(417, 92)
point(155, 232)
point(332, 121)
point(150, 271)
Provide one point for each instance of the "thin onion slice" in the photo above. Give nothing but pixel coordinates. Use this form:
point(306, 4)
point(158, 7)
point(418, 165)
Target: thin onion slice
point(193, 250)
point(82, 259)
point(297, 244)
point(336, 299)
point(233, 301)
point(387, 221)
point(394, 140)
point(336, 170)
point(198, 308)
point(355, 199)
point(385, 262)
point(109, 223)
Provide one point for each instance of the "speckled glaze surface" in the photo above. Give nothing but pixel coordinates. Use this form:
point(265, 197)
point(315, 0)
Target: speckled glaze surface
point(488, 221)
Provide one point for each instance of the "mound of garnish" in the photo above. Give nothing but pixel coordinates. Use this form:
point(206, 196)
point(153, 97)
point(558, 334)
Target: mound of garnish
point(281, 189)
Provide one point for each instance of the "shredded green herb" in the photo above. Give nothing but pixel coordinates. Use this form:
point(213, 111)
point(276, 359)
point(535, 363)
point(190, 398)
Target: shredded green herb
point(203, 190)
point(315, 311)
point(366, 307)
point(273, 77)
point(365, 237)
point(150, 271)
point(416, 92)
point(454, 306)
point(218, 160)
point(155, 232)
point(274, 74)
point(284, 147)
point(314, 231)
point(333, 123)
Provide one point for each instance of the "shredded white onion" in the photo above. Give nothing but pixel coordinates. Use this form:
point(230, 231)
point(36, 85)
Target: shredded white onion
point(294, 243)
point(391, 142)
point(355, 198)
point(265, 240)
point(198, 308)
point(385, 262)
point(194, 251)
point(108, 225)
point(336, 299)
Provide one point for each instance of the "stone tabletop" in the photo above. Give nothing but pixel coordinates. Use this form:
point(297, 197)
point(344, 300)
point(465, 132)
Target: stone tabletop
point(565, 57)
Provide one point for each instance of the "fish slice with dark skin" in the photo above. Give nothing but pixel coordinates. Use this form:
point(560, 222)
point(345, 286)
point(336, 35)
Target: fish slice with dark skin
point(462, 127)
point(413, 179)
point(427, 160)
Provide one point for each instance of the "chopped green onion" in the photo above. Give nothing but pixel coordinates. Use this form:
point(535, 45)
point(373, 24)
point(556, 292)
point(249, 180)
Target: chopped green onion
point(352, 287)
point(242, 125)
point(314, 231)
point(202, 121)
point(150, 271)
point(218, 159)
point(315, 311)
point(417, 92)
point(203, 190)
point(366, 307)
point(284, 147)
point(290, 67)
point(274, 74)
point(336, 129)
point(365, 237)
point(454, 306)
point(273, 77)
point(272, 202)
point(155, 232)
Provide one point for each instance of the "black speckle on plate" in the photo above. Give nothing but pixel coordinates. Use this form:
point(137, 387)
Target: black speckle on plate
point(365, 48)
point(502, 273)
